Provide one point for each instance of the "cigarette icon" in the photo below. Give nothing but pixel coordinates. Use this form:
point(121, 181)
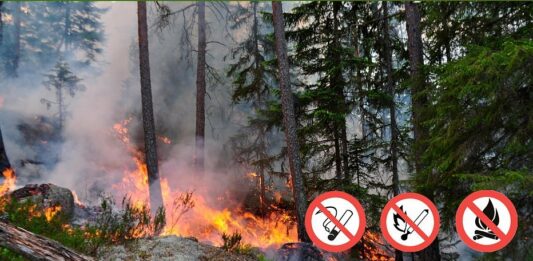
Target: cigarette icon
point(330, 227)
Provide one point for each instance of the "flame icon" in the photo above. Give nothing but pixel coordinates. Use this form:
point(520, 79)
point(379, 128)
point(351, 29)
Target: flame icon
point(485, 231)
point(407, 230)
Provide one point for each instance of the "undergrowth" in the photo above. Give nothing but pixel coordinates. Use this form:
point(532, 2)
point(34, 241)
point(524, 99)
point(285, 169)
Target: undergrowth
point(112, 227)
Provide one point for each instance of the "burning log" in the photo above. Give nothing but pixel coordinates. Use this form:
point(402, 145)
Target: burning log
point(35, 247)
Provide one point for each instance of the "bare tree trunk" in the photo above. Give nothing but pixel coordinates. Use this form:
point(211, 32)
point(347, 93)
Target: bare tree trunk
point(337, 154)
point(4, 160)
point(392, 110)
point(344, 150)
point(1, 24)
point(289, 120)
point(419, 102)
point(61, 107)
point(262, 191)
point(66, 34)
point(16, 50)
point(35, 247)
point(200, 90)
point(361, 101)
point(150, 145)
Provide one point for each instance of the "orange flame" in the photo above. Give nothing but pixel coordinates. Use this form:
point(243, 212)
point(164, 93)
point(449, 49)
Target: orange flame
point(76, 199)
point(205, 220)
point(9, 181)
point(50, 212)
point(165, 139)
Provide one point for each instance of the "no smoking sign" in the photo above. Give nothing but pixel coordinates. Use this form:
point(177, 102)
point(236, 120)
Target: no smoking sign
point(410, 222)
point(335, 221)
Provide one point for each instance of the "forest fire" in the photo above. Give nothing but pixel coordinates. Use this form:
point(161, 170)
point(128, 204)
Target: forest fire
point(9, 181)
point(51, 212)
point(197, 215)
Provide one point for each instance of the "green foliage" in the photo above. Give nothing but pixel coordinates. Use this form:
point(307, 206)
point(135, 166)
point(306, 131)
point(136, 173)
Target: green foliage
point(112, 226)
point(480, 130)
point(63, 82)
point(232, 243)
point(6, 254)
point(50, 29)
point(482, 111)
point(27, 216)
point(61, 77)
point(128, 223)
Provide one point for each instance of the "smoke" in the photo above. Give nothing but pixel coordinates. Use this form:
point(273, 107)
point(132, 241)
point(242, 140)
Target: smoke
point(90, 158)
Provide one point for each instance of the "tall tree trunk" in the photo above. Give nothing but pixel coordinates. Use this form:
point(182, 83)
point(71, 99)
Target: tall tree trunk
point(261, 156)
point(337, 82)
point(262, 190)
point(200, 90)
point(66, 34)
point(4, 160)
point(150, 145)
point(419, 102)
point(392, 110)
point(1, 24)
point(337, 154)
point(61, 107)
point(16, 48)
point(344, 150)
point(289, 120)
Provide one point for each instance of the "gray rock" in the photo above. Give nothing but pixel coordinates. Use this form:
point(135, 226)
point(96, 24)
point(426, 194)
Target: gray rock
point(168, 248)
point(45, 196)
point(305, 252)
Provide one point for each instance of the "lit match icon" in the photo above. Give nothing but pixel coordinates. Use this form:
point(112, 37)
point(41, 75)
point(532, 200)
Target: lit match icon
point(407, 230)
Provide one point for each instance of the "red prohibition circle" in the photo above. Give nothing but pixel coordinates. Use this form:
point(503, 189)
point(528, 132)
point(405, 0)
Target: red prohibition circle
point(469, 201)
point(353, 240)
point(388, 208)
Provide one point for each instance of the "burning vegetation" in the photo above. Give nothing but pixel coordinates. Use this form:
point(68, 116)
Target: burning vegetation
point(203, 216)
point(9, 181)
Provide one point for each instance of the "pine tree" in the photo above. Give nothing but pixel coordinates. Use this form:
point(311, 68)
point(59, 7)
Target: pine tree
point(63, 82)
point(156, 197)
point(480, 135)
point(253, 86)
point(12, 69)
point(39, 32)
point(289, 121)
point(1, 23)
point(390, 86)
point(194, 15)
point(83, 29)
point(317, 29)
point(419, 103)
point(199, 152)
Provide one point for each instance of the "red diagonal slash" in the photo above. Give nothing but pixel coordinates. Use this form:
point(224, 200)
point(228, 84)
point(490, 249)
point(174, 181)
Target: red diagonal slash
point(336, 222)
point(410, 222)
point(486, 220)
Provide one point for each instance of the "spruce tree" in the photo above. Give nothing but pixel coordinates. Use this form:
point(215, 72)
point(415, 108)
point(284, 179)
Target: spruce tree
point(63, 82)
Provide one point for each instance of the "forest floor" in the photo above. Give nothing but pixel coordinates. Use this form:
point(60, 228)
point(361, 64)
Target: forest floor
point(170, 248)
